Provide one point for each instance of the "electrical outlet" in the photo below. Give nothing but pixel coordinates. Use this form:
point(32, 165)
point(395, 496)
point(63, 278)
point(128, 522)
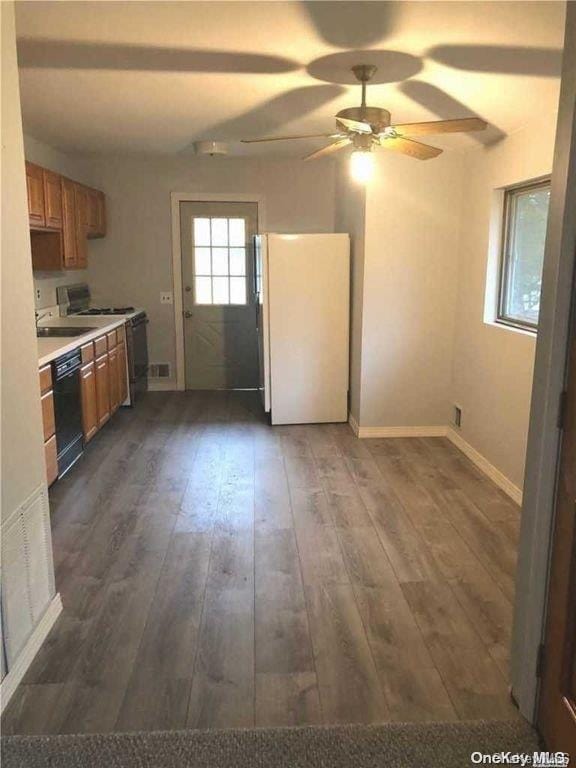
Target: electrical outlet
point(166, 297)
point(38, 294)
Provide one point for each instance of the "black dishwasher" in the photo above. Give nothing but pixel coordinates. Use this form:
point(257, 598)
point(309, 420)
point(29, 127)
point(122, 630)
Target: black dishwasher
point(68, 410)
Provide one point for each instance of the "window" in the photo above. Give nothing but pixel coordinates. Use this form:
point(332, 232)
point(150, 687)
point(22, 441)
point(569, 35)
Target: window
point(219, 260)
point(525, 218)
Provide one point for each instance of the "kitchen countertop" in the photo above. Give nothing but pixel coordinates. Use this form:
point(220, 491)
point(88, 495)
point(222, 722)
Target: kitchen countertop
point(50, 349)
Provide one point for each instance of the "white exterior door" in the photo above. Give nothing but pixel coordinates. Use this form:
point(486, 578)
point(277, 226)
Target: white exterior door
point(220, 339)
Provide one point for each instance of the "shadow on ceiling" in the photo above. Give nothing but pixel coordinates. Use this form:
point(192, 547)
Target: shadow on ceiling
point(53, 54)
point(274, 114)
point(393, 66)
point(499, 59)
point(352, 24)
point(447, 107)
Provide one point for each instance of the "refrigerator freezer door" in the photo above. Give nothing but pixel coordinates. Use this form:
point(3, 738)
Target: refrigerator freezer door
point(309, 295)
point(262, 316)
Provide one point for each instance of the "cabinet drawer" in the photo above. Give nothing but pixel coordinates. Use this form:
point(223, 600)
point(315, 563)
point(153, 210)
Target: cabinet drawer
point(112, 339)
point(48, 414)
point(45, 378)
point(87, 352)
point(51, 457)
point(100, 346)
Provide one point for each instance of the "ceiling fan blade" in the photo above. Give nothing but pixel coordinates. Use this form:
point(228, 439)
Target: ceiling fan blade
point(340, 144)
point(290, 138)
point(354, 125)
point(409, 147)
point(441, 126)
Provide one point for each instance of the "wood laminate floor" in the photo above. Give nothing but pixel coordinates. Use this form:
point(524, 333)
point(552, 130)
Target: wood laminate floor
point(218, 572)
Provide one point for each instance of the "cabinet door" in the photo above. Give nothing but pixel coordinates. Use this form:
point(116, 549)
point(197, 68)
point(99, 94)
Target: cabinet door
point(51, 458)
point(89, 400)
point(80, 202)
point(113, 373)
point(102, 390)
point(53, 199)
point(101, 204)
point(35, 189)
point(48, 419)
point(122, 373)
point(69, 226)
point(92, 212)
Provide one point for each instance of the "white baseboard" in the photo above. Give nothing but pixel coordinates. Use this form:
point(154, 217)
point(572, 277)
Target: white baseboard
point(162, 385)
point(480, 461)
point(483, 464)
point(368, 432)
point(27, 654)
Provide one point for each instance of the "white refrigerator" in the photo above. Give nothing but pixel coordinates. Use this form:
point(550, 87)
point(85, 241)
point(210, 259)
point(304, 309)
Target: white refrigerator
point(303, 300)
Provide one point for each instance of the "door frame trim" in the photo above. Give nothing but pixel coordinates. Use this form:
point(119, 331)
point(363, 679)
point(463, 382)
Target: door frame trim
point(197, 197)
point(558, 293)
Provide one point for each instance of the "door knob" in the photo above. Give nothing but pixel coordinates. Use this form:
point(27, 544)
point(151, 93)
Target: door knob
point(188, 289)
point(187, 313)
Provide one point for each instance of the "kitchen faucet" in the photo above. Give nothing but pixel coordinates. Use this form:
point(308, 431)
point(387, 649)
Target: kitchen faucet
point(40, 317)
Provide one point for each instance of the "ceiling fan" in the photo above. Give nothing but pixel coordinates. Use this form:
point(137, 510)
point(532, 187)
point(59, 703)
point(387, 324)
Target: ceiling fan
point(367, 128)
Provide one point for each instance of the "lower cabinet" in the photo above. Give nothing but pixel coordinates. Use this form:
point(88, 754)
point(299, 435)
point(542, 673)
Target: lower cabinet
point(102, 389)
point(89, 400)
point(51, 458)
point(122, 372)
point(114, 379)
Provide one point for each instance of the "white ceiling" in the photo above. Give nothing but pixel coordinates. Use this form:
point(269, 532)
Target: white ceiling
point(156, 76)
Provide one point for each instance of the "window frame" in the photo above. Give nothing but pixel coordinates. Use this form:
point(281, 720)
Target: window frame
point(504, 256)
point(228, 275)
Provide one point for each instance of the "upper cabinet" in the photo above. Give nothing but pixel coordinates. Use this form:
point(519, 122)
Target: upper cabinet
point(63, 214)
point(52, 199)
point(35, 188)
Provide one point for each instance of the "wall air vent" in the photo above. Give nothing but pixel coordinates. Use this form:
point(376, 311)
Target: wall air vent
point(159, 371)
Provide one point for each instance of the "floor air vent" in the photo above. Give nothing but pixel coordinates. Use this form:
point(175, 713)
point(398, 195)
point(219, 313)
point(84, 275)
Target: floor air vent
point(159, 370)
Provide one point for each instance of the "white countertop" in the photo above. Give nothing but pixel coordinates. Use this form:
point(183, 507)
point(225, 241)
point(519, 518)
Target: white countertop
point(50, 349)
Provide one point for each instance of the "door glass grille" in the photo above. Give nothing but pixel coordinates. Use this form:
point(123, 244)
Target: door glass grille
point(219, 260)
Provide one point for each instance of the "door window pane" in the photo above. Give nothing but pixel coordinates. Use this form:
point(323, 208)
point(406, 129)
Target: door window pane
point(219, 231)
point(237, 232)
point(201, 231)
point(202, 261)
point(237, 290)
point(203, 290)
point(526, 216)
point(237, 261)
point(220, 294)
point(219, 261)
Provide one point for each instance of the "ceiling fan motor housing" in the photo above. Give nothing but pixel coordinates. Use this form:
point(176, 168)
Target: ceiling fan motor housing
point(377, 117)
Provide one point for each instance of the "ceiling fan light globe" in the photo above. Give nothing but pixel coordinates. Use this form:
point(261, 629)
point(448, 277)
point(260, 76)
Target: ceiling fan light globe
point(361, 165)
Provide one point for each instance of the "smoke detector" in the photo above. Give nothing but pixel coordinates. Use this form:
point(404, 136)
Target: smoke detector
point(211, 148)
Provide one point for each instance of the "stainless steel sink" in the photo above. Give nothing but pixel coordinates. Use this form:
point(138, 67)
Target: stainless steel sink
point(49, 333)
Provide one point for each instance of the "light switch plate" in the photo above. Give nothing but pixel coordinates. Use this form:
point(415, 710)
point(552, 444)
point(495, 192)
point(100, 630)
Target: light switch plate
point(166, 297)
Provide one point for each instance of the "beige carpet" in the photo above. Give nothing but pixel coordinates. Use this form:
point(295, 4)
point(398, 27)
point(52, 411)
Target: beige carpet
point(442, 745)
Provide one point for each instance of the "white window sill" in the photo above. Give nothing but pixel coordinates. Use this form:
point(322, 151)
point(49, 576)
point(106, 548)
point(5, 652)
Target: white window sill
point(505, 327)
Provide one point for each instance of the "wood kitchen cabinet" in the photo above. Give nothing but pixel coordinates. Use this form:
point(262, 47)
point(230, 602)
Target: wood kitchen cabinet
point(101, 370)
point(63, 214)
point(49, 423)
point(122, 371)
point(35, 190)
point(89, 400)
point(114, 379)
point(52, 199)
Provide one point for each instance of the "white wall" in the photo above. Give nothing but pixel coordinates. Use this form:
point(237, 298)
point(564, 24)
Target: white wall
point(351, 218)
point(410, 274)
point(133, 263)
point(493, 365)
point(22, 445)
point(27, 571)
point(45, 283)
